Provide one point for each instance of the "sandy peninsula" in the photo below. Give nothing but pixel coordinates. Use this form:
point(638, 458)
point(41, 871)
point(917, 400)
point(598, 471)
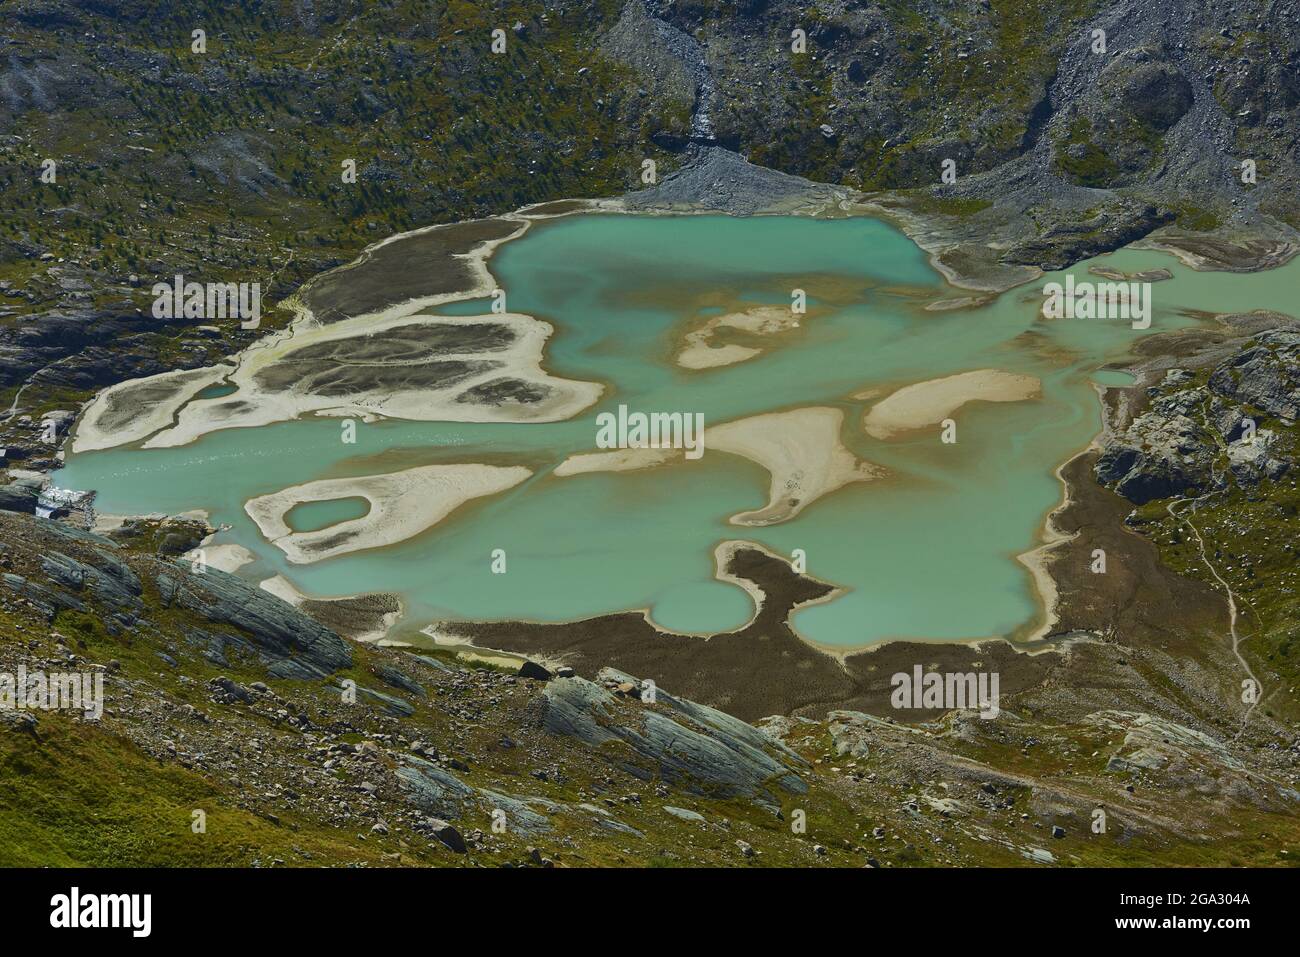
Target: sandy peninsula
point(366, 618)
point(929, 403)
point(700, 350)
point(402, 505)
point(364, 345)
point(133, 410)
point(802, 451)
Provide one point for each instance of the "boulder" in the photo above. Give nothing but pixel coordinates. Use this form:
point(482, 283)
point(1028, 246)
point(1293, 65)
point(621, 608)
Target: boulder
point(531, 669)
point(448, 835)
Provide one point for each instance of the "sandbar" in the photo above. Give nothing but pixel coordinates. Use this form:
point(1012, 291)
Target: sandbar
point(700, 352)
point(225, 557)
point(929, 403)
point(402, 505)
point(801, 449)
point(615, 460)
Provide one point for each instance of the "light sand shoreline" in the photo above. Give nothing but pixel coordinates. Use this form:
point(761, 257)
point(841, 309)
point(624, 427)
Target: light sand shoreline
point(282, 588)
point(402, 505)
point(98, 430)
point(1050, 538)
point(225, 556)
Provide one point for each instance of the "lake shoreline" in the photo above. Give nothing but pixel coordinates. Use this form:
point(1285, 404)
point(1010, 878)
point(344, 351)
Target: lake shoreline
point(1040, 573)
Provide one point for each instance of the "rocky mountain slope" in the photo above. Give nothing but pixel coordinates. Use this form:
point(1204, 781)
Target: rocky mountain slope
point(238, 731)
point(1205, 449)
point(299, 746)
point(228, 164)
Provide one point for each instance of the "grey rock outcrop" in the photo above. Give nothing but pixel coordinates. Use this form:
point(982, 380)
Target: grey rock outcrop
point(399, 679)
point(432, 789)
point(706, 752)
point(112, 582)
point(17, 498)
point(1197, 439)
point(1266, 376)
point(291, 644)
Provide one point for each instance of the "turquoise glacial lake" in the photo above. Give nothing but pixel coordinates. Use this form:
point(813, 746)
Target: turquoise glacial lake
point(927, 553)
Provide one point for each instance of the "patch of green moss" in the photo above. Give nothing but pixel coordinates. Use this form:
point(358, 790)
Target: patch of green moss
point(1080, 157)
point(928, 203)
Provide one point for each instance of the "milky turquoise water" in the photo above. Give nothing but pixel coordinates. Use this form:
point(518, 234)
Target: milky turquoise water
point(927, 553)
point(311, 516)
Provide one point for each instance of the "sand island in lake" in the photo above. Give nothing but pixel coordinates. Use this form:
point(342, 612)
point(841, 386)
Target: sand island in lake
point(706, 347)
point(929, 403)
point(402, 505)
point(800, 448)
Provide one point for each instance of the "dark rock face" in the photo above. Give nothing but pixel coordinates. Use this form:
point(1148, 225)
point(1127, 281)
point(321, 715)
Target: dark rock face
point(448, 835)
point(1164, 452)
point(1154, 91)
point(15, 498)
point(107, 345)
point(112, 582)
point(68, 569)
point(293, 645)
point(50, 601)
point(1067, 241)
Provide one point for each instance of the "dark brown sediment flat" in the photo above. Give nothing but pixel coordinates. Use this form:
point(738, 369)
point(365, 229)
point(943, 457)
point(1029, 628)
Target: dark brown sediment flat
point(417, 266)
point(763, 668)
point(1137, 599)
point(353, 617)
point(1138, 608)
point(559, 207)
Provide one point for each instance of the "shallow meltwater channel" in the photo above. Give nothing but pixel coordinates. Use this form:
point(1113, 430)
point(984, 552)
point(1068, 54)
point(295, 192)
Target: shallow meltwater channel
point(929, 551)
